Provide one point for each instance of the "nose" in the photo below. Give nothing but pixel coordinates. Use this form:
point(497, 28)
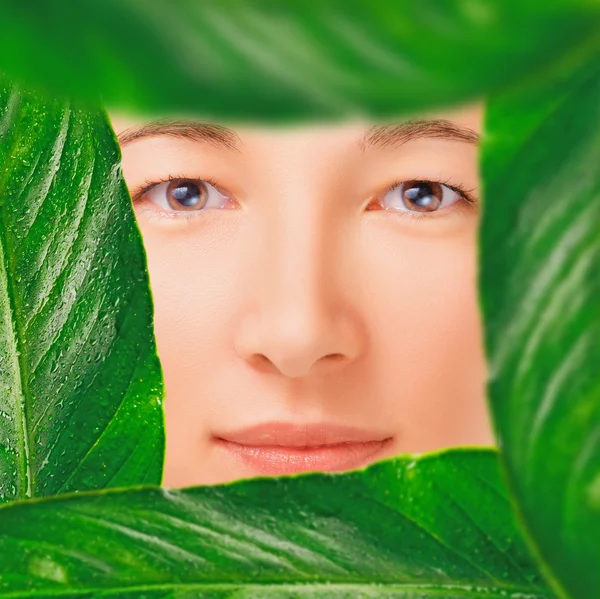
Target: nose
point(301, 322)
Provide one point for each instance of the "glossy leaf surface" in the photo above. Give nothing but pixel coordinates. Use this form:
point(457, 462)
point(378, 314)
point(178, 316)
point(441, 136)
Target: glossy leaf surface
point(439, 526)
point(272, 60)
point(80, 381)
point(540, 281)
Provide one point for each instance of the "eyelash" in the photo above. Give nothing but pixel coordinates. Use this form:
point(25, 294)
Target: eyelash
point(138, 193)
point(466, 194)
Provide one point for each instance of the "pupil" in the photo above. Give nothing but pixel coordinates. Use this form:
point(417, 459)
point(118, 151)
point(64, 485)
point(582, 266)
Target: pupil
point(187, 194)
point(421, 195)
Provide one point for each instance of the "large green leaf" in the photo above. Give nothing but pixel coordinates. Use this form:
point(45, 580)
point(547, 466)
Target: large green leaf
point(274, 59)
point(439, 526)
point(540, 281)
point(80, 381)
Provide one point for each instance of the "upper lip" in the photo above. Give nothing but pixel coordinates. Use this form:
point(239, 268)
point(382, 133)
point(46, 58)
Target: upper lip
point(282, 434)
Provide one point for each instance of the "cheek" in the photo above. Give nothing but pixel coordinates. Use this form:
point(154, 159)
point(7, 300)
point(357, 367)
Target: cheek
point(424, 314)
point(192, 277)
point(428, 280)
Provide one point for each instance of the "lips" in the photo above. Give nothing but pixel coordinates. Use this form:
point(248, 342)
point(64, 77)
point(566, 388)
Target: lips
point(281, 448)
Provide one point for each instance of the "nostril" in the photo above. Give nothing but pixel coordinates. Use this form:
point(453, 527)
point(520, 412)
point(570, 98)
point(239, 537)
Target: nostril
point(336, 357)
point(261, 363)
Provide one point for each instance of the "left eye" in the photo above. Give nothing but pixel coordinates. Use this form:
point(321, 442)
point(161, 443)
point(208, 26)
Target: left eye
point(181, 195)
point(420, 196)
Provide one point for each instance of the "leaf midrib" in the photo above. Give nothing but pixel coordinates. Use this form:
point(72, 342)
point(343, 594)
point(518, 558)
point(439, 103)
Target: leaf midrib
point(471, 591)
point(17, 335)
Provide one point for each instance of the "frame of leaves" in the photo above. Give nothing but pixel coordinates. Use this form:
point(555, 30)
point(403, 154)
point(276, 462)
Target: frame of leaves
point(81, 390)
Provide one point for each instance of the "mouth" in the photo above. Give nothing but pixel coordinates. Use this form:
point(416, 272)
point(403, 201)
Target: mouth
point(281, 448)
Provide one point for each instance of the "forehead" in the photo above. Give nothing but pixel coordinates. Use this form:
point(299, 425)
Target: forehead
point(463, 123)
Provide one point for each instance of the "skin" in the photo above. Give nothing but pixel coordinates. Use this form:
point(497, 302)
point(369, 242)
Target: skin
point(303, 301)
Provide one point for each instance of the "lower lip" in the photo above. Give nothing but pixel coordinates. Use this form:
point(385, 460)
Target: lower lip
point(274, 459)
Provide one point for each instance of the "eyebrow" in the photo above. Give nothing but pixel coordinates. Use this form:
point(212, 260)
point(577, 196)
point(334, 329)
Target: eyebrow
point(395, 134)
point(382, 136)
point(192, 130)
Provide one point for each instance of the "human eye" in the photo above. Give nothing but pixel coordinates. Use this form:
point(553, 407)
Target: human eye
point(423, 196)
point(181, 197)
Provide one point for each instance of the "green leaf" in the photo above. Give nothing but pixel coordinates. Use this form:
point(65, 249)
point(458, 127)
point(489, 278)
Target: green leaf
point(272, 60)
point(439, 526)
point(80, 382)
point(540, 285)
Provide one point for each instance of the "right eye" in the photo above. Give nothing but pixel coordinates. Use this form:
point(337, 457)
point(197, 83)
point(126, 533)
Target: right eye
point(186, 195)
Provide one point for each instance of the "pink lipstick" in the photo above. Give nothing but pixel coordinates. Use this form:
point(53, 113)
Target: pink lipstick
point(282, 448)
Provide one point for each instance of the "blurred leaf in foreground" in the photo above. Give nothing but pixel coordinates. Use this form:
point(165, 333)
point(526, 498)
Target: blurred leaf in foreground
point(270, 60)
point(540, 284)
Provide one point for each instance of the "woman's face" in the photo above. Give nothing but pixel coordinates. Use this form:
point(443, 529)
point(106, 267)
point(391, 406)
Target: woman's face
point(314, 290)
